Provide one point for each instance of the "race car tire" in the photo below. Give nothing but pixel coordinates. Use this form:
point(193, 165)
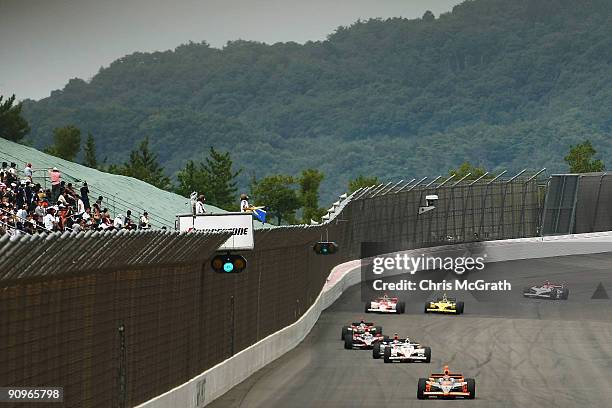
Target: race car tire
point(376, 351)
point(378, 329)
point(425, 309)
point(471, 385)
point(345, 330)
point(348, 342)
point(427, 354)
point(401, 307)
point(459, 307)
point(565, 294)
point(554, 294)
point(367, 307)
point(421, 388)
point(387, 354)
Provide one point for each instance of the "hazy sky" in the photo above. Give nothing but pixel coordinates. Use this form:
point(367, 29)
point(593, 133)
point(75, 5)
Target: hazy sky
point(43, 43)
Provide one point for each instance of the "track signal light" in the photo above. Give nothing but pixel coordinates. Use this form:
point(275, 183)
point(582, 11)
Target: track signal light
point(325, 247)
point(228, 263)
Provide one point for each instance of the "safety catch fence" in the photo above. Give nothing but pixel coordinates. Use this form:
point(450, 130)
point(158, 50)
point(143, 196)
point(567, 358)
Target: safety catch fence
point(118, 318)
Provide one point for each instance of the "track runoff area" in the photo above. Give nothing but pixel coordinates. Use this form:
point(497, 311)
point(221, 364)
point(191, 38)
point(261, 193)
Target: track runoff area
point(522, 352)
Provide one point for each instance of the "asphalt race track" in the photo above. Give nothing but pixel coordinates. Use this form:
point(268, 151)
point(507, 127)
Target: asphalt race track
point(522, 352)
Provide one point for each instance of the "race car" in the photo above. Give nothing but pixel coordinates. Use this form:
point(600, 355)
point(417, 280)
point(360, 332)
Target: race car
point(360, 327)
point(378, 350)
point(385, 304)
point(402, 350)
point(446, 385)
point(547, 290)
point(362, 340)
point(444, 305)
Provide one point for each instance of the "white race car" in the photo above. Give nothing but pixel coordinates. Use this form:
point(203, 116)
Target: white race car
point(404, 351)
point(362, 340)
point(547, 290)
point(385, 304)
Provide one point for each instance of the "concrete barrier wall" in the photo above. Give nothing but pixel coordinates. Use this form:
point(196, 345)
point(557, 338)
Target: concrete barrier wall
point(214, 382)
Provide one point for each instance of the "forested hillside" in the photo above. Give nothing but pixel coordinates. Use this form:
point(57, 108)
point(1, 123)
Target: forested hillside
point(501, 83)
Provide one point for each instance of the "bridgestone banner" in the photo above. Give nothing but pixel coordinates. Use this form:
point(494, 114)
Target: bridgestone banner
point(240, 225)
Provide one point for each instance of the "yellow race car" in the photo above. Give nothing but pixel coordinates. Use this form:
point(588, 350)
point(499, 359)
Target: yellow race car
point(444, 305)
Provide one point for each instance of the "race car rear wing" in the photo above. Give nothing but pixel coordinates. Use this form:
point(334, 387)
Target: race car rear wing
point(452, 375)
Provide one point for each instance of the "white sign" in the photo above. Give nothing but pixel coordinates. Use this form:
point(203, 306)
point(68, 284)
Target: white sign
point(239, 224)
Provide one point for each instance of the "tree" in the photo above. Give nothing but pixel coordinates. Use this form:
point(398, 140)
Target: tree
point(360, 182)
point(468, 168)
point(89, 152)
point(580, 158)
point(277, 193)
point(214, 178)
point(220, 180)
point(66, 142)
point(309, 182)
point(12, 125)
point(188, 179)
point(429, 16)
point(143, 165)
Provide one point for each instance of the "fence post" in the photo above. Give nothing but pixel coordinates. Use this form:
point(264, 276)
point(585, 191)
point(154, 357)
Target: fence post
point(233, 324)
point(122, 368)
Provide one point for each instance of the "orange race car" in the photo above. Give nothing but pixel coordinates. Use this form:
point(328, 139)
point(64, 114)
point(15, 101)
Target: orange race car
point(446, 385)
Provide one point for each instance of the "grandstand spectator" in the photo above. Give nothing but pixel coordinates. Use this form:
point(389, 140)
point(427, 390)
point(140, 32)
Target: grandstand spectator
point(20, 195)
point(13, 169)
point(99, 201)
point(63, 216)
point(70, 190)
point(119, 222)
point(106, 222)
point(50, 220)
point(77, 226)
point(80, 205)
point(85, 194)
point(129, 223)
point(22, 214)
point(97, 214)
point(199, 206)
point(31, 197)
point(61, 199)
point(144, 221)
point(56, 180)
point(40, 209)
point(28, 172)
point(244, 203)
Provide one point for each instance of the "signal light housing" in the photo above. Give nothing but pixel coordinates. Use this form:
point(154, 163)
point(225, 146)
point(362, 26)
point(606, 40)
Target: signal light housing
point(325, 248)
point(228, 263)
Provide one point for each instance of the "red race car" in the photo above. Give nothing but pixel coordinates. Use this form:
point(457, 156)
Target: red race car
point(446, 385)
point(360, 327)
point(362, 340)
point(385, 304)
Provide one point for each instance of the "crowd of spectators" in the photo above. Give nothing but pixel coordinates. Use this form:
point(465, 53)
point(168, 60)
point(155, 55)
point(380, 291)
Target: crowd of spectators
point(27, 207)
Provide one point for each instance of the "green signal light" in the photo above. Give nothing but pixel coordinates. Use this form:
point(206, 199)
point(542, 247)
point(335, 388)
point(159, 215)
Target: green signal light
point(228, 266)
